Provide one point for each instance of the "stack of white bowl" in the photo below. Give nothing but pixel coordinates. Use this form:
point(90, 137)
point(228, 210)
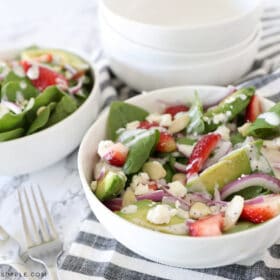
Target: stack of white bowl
point(152, 44)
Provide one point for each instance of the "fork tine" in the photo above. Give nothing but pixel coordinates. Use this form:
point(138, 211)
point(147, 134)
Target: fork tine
point(53, 231)
point(35, 230)
point(43, 228)
point(24, 222)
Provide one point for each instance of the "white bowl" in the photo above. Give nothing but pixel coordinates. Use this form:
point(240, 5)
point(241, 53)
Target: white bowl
point(184, 25)
point(41, 149)
point(144, 71)
point(182, 251)
point(112, 39)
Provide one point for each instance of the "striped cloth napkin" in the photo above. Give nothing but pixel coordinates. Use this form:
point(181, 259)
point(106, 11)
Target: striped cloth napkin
point(95, 254)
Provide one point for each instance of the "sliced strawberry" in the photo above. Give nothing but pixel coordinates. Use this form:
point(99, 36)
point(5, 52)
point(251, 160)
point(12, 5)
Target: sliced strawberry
point(263, 211)
point(166, 143)
point(153, 186)
point(201, 153)
point(253, 109)
point(208, 226)
point(116, 154)
point(46, 77)
point(173, 110)
point(147, 125)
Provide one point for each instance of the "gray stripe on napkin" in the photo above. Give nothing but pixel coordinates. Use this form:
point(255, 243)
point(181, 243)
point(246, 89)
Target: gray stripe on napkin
point(106, 270)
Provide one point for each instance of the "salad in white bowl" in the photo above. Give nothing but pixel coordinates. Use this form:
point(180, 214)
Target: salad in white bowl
point(143, 186)
point(191, 170)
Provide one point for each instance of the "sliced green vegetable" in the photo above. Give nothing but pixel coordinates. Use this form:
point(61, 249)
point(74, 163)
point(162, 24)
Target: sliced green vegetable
point(240, 226)
point(140, 149)
point(42, 119)
point(13, 77)
point(139, 217)
point(262, 127)
point(228, 109)
point(196, 124)
point(121, 114)
point(169, 173)
point(248, 193)
point(12, 134)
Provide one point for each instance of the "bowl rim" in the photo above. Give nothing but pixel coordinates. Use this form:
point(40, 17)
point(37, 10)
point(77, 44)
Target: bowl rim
point(258, 4)
point(213, 62)
point(58, 126)
point(86, 186)
point(187, 54)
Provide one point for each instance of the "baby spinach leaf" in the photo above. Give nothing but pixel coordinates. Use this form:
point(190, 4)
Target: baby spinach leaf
point(262, 129)
point(11, 121)
point(140, 149)
point(120, 114)
point(185, 141)
point(13, 77)
point(248, 193)
point(11, 134)
point(49, 95)
point(236, 138)
point(228, 109)
point(196, 124)
point(66, 106)
point(169, 173)
point(42, 119)
point(15, 90)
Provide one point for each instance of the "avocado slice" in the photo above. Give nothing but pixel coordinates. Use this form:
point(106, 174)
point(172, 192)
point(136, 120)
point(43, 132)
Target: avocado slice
point(175, 226)
point(64, 56)
point(110, 185)
point(226, 170)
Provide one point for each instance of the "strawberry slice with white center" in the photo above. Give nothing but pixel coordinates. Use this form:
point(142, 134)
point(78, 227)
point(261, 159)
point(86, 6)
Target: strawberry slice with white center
point(253, 109)
point(166, 143)
point(262, 211)
point(208, 226)
point(41, 76)
point(173, 110)
point(201, 153)
point(116, 154)
point(147, 124)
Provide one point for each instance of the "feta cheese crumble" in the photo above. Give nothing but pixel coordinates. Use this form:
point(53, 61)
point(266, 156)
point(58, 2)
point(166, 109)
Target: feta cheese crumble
point(129, 209)
point(139, 183)
point(161, 214)
point(177, 189)
point(103, 147)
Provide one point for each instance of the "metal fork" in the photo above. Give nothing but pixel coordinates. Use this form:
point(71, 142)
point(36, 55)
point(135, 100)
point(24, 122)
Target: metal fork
point(43, 243)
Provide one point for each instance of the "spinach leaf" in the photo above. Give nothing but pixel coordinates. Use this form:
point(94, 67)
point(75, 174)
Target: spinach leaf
point(15, 90)
point(11, 134)
point(66, 106)
point(42, 119)
point(49, 95)
point(120, 114)
point(140, 149)
point(169, 173)
point(248, 193)
point(11, 121)
point(196, 124)
point(228, 109)
point(262, 129)
point(236, 138)
point(13, 77)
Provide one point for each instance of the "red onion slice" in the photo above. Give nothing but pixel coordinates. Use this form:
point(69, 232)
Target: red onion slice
point(222, 149)
point(180, 167)
point(114, 204)
point(258, 179)
point(258, 199)
point(77, 87)
point(12, 106)
point(171, 200)
point(154, 196)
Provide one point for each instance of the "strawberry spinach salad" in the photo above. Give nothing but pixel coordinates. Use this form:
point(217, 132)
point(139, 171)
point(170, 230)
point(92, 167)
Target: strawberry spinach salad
point(190, 170)
point(39, 88)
